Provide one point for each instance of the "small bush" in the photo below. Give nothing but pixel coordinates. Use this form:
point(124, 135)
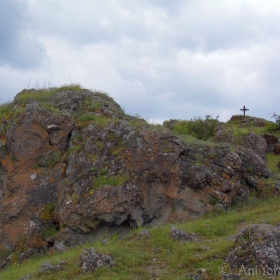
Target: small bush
point(4, 253)
point(19, 111)
point(250, 169)
point(95, 107)
point(50, 231)
point(213, 200)
point(75, 197)
point(117, 151)
point(65, 156)
point(272, 127)
point(104, 171)
point(197, 127)
point(76, 148)
point(100, 145)
point(6, 111)
point(20, 245)
point(48, 212)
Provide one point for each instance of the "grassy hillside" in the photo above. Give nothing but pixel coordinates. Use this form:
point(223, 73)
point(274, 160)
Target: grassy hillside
point(160, 255)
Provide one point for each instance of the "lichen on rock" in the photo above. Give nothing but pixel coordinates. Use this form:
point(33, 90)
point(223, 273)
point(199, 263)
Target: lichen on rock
point(77, 151)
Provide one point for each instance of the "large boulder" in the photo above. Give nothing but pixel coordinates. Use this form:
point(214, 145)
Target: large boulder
point(256, 248)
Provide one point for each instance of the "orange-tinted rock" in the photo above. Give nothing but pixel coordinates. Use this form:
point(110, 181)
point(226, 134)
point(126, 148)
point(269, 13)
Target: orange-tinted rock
point(103, 171)
point(27, 186)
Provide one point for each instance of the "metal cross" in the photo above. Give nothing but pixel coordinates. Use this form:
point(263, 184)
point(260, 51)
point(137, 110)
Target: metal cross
point(244, 109)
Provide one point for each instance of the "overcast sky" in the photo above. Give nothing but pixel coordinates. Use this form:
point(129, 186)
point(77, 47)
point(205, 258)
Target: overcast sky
point(157, 58)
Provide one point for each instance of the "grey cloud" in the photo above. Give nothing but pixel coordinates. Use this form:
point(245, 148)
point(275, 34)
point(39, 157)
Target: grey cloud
point(161, 59)
point(216, 25)
point(19, 47)
point(78, 24)
point(99, 22)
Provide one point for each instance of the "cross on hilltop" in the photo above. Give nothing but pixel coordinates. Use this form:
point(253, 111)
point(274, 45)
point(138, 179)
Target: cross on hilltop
point(244, 109)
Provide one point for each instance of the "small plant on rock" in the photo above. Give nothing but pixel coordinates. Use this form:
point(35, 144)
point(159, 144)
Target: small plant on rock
point(50, 231)
point(48, 211)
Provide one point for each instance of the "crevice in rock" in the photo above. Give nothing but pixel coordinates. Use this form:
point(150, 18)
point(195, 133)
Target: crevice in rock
point(68, 138)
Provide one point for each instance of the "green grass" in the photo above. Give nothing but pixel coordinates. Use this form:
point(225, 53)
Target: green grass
point(52, 159)
point(272, 161)
point(39, 95)
point(45, 94)
point(202, 129)
point(113, 181)
point(50, 231)
point(75, 149)
point(239, 129)
point(5, 108)
point(87, 119)
point(169, 259)
point(48, 211)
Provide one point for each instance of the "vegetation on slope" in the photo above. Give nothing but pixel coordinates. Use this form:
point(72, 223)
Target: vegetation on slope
point(160, 255)
point(137, 258)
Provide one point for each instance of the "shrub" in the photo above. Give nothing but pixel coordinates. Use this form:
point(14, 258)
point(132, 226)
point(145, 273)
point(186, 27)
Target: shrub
point(48, 212)
point(4, 253)
point(104, 171)
point(75, 197)
point(20, 243)
point(76, 148)
point(213, 200)
point(19, 111)
point(202, 129)
point(50, 231)
point(6, 111)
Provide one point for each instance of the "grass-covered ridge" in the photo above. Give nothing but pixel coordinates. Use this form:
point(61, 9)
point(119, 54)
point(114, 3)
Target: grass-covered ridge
point(168, 259)
point(45, 94)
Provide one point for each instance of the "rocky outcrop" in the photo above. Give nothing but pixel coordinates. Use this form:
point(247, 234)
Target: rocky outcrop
point(272, 141)
point(90, 260)
point(73, 163)
point(181, 235)
point(256, 248)
point(47, 266)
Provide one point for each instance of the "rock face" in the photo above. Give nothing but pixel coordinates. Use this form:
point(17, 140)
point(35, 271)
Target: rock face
point(71, 161)
point(257, 247)
point(272, 141)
